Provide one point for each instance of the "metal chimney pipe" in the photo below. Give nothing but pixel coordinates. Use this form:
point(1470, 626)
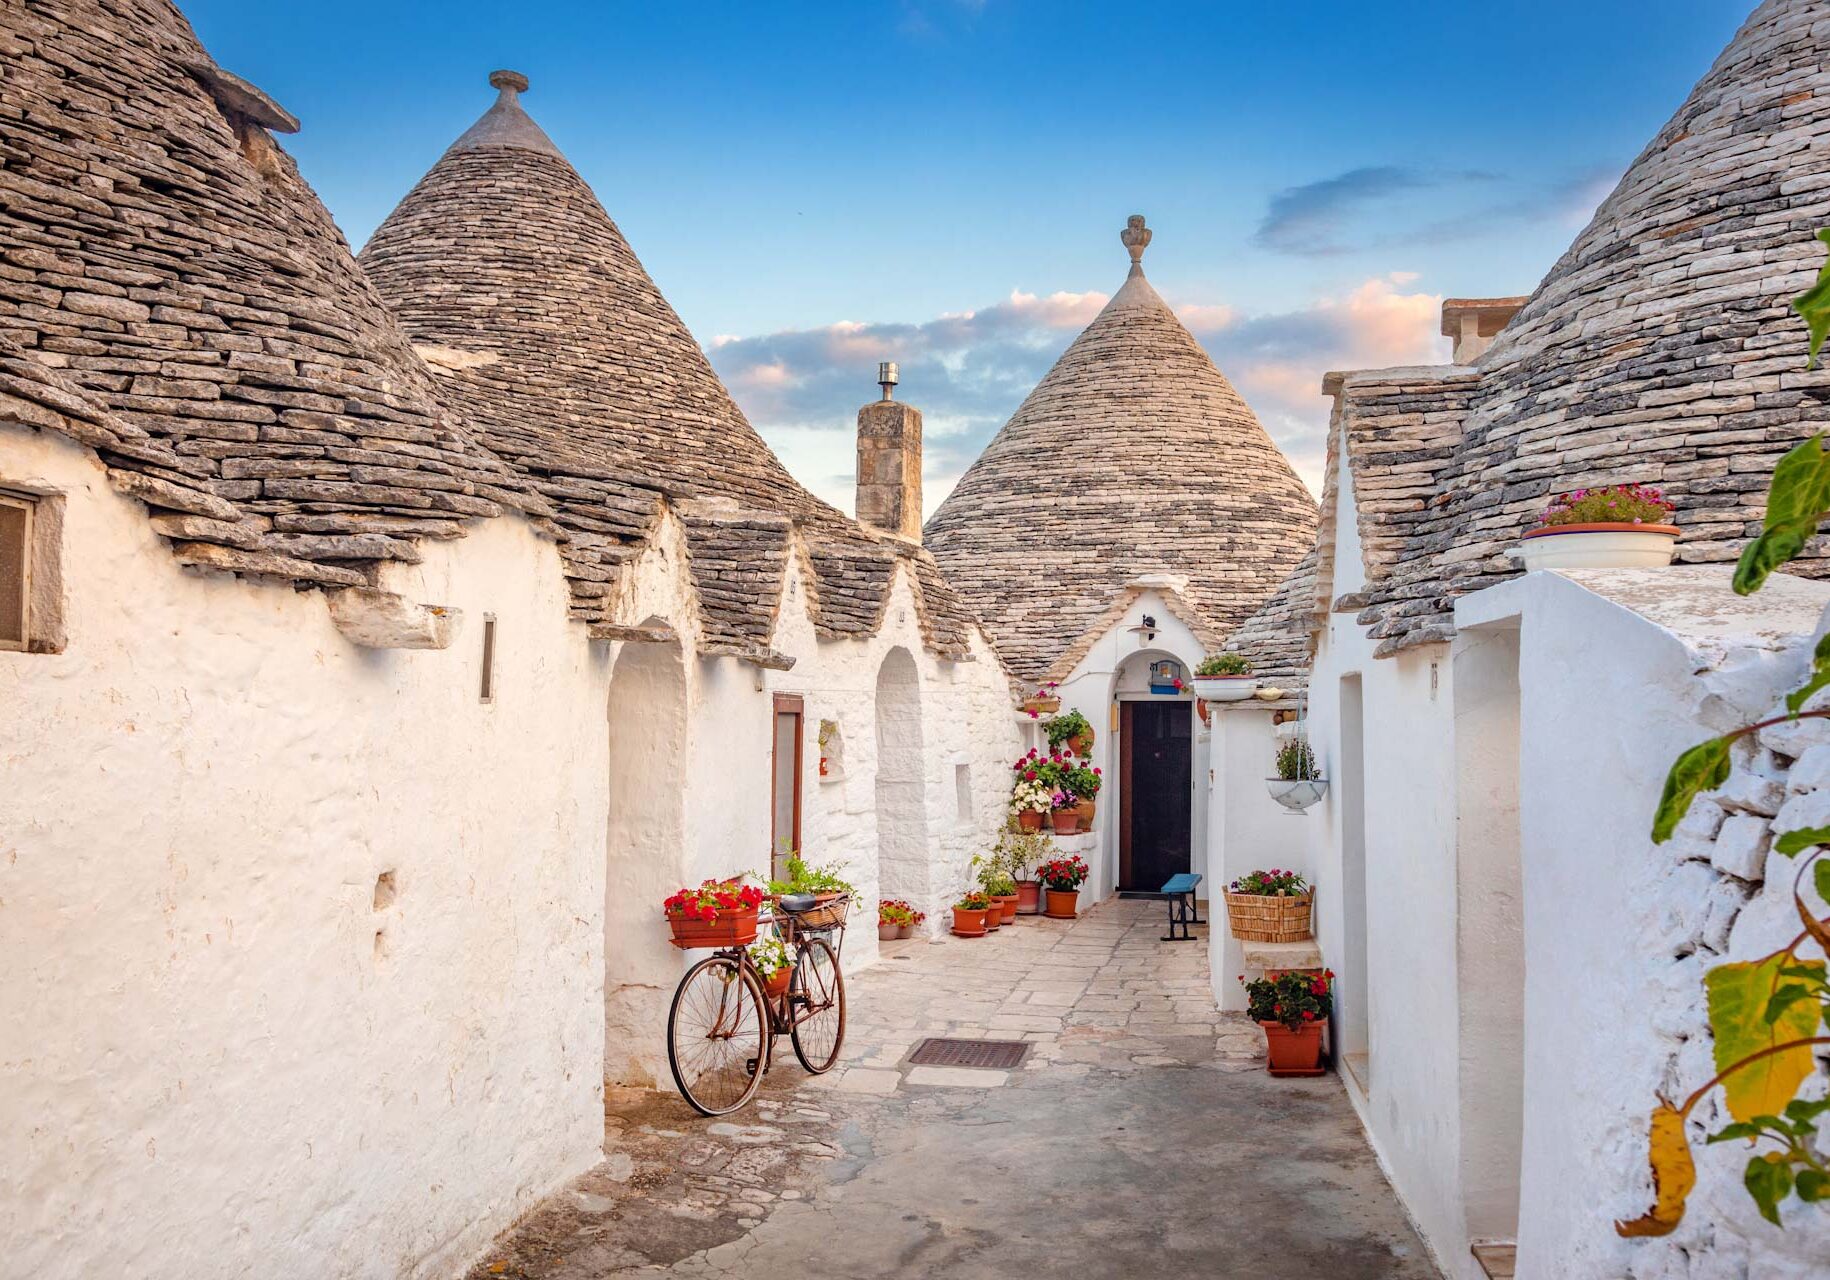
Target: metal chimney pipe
point(886, 378)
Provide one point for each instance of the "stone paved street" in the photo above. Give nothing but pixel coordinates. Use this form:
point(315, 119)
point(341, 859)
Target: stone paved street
point(1141, 1136)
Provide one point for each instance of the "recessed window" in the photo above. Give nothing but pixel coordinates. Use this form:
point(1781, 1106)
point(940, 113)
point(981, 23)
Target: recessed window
point(785, 816)
point(16, 542)
point(962, 791)
point(487, 690)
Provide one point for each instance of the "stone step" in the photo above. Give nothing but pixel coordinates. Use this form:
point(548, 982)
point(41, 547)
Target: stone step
point(1306, 954)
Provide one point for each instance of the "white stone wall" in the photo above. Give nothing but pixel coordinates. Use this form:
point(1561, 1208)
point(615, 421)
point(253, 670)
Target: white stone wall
point(248, 1055)
point(225, 1054)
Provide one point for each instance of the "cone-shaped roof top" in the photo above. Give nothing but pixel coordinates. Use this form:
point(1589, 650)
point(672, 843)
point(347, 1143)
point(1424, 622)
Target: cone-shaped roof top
point(519, 289)
point(171, 279)
point(1660, 349)
point(1133, 456)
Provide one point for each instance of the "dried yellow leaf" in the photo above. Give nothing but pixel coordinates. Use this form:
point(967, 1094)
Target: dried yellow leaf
point(1674, 1173)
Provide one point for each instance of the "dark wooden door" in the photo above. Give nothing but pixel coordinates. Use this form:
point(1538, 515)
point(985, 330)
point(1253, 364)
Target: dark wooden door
point(1156, 793)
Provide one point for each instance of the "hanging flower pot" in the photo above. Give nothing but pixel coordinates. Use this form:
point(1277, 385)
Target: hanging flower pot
point(1620, 526)
point(777, 985)
point(1296, 794)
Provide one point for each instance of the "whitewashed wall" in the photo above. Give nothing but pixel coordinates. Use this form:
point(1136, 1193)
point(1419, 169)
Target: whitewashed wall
point(224, 1057)
point(1619, 671)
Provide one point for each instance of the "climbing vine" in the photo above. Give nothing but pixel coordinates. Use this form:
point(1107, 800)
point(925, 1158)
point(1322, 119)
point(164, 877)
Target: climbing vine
point(1765, 1014)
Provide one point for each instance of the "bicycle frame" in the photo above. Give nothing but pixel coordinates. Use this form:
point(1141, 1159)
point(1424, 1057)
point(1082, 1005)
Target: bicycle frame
point(782, 1019)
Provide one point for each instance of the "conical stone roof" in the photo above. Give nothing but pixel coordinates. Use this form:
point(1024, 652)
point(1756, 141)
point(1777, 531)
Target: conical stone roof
point(518, 288)
point(1134, 456)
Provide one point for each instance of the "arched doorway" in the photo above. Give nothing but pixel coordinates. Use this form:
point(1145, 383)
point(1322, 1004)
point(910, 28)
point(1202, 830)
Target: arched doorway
point(645, 855)
point(1155, 771)
point(903, 864)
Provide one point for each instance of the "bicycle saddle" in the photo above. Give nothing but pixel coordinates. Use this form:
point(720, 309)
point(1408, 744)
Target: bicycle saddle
point(794, 903)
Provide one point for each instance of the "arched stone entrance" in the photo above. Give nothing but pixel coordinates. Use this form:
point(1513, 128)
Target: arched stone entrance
point(903, 862)
point(645, 857)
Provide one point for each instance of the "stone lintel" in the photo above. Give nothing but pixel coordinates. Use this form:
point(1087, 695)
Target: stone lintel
point(385, 620)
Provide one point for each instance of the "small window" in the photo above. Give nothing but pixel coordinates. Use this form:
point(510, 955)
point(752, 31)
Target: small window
point(487, 690)
point(962, 791)
point(785, 767)
point(16, 571)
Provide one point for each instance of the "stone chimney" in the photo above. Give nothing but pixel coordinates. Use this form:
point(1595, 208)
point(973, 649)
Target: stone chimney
point(1474, 322)
point(889, 462)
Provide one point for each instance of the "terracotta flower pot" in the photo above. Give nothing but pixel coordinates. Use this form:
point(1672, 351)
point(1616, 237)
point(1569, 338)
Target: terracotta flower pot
point(1067, 821)
point(1007, 908)
point(994, 918)
point(1085, 812)
point(1296, 1052)
point(1062, 903)
point(1029, 897)
point(968, 924)
point(888, 932)
point(730, 929)
point(1030, 820)
point(1081, 744)
point(777, 985)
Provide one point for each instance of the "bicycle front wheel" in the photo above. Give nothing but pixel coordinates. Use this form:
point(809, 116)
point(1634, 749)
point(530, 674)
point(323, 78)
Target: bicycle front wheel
point(819, 1007)
point(717, 1036)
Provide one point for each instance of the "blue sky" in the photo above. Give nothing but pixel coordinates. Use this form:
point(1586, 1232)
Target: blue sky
point(816, 187)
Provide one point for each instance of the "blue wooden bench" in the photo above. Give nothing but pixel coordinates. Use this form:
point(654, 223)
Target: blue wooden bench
point(1179, 892)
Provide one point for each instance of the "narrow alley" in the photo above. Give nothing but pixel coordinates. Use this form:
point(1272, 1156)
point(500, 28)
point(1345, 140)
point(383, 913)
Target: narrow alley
point(1139, 1135)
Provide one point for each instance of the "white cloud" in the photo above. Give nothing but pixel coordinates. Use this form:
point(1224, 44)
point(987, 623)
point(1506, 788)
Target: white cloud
point(968, 370)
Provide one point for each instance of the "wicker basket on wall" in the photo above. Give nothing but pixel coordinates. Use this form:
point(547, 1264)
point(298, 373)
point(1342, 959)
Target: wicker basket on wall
point(1257, 917)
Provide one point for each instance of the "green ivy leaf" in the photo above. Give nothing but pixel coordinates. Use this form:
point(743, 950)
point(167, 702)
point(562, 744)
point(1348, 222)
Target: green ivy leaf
point(1702, 768)
point(1795, 501)
point(1769, 1180)
point(1820, 676)
point(1738, 997)
point(1784, 999)
point(1820, 878)
point(1795, 842)
point(1740, 1129)
point(1814, 305)
point(1813, 1186)
point(1800, 1112)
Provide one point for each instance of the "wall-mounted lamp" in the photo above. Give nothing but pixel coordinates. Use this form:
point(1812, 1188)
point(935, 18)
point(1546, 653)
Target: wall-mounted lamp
point(1145, 631)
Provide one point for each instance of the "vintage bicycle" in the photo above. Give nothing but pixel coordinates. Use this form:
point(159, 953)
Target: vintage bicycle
point(722, 1027)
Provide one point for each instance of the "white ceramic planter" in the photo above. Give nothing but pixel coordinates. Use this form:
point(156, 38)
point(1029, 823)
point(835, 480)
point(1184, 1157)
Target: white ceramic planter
point(1598, 546)
point(1296, 794)
point(1226, 688)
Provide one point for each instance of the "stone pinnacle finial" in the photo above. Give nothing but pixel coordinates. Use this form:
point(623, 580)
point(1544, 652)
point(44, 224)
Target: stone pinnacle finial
point(1136, 238)
point(508, 81)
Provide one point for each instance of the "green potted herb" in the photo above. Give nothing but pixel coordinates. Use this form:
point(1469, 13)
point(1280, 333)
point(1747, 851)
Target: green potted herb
point(1225, 677)
point(1299, 783)
point(1072, 730)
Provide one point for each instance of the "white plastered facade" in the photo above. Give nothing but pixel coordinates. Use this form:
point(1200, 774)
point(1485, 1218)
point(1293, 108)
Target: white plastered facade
point(275, 902)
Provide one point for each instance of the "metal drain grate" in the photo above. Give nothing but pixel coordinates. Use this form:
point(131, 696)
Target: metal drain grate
point(994, 1055)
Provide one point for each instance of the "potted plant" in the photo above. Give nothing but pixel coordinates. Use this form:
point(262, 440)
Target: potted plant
point(1065, 812)
point(1072, 730)
point(1224, 677)
point(774, 962)
point(1269, 906)
point(999, 884)
point(1020, 851)
point(1292, 1008)
point(1085, 781)
point(1298, 783)
point(969, 914)
point(1061, 880)
point(1045, 701)
point(1618, 526)
point(895, 919)
point(830, 890)
point(719, 913)
point(1029, 795)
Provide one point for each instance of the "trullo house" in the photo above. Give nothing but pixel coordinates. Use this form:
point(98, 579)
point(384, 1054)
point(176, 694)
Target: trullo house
point(374, 662)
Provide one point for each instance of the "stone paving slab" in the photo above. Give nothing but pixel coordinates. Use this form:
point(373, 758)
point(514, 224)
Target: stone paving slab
point(1120, 1120)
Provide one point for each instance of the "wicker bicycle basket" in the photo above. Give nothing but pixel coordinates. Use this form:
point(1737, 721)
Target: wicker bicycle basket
point(826, 914)
point(1257, 917)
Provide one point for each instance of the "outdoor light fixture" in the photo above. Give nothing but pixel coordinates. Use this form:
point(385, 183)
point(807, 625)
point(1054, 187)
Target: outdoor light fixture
point(1145, 631)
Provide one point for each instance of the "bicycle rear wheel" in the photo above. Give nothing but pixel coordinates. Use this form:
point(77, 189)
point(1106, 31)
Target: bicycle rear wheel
point(717, 1036)
point(818, 1007)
